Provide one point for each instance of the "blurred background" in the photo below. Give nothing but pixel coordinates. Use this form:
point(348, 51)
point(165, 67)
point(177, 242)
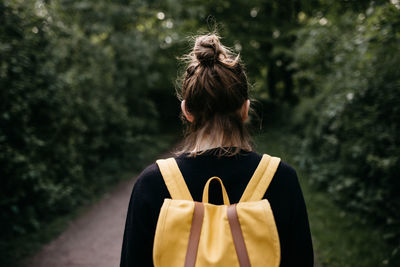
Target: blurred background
point(87, 95)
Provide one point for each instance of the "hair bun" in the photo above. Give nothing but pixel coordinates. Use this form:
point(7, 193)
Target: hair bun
point(207, 49)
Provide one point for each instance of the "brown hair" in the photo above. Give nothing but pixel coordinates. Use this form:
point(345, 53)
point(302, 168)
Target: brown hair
point(214, 87)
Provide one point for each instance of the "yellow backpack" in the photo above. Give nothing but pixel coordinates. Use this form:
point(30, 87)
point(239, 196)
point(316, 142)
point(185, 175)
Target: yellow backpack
point(200, 234)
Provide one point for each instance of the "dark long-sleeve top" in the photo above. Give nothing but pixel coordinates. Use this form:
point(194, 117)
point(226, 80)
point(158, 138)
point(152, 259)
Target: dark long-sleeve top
point(284, 195)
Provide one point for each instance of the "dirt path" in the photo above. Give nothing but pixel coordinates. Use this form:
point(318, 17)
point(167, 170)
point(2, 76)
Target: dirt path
point(94, 239)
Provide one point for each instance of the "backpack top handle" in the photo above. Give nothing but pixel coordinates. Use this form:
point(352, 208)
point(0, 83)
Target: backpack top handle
point(224, 194)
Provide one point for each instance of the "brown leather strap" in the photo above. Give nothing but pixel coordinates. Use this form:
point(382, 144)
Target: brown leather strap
point(194, 236)
point(237, 236)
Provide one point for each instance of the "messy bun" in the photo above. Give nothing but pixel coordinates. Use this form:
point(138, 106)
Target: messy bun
point(207, 49)
point(214, 87)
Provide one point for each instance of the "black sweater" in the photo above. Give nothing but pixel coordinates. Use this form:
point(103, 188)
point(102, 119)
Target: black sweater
point(284, 195)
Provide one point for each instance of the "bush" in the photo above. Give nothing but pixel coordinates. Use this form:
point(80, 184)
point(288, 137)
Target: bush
point(350, 120)
point(67, 118)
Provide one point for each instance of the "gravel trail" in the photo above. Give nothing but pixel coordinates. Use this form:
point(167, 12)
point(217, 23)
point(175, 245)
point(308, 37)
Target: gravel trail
point(92, 240)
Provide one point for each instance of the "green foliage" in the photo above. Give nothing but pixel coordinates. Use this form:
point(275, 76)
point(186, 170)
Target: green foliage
point(348, 67)
point(73, 106)
point(340, 238)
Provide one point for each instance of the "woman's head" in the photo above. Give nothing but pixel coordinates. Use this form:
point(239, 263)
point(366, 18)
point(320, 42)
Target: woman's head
point(214, 94)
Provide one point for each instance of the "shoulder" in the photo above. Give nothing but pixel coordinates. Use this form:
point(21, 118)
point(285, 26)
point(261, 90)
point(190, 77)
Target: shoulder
point(285, 179)
point(150, 173)
point(286, 170)
point(150, 183)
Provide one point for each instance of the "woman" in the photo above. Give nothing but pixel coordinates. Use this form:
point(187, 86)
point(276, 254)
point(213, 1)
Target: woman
point(215, 104)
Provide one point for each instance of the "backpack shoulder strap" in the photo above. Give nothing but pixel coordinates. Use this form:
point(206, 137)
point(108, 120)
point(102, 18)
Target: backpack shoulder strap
point(173, 179)
point(261, 179)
